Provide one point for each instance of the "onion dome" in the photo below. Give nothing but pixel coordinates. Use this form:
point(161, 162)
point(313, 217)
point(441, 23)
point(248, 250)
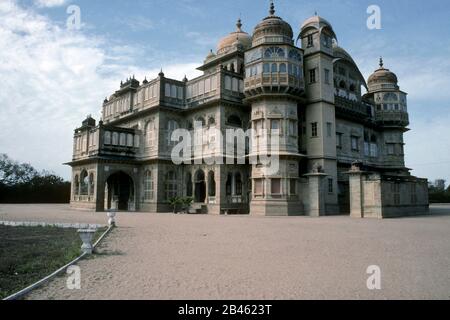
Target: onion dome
point(234, 39)
point(145, 81)
point(161, 73)
point(272, 26)
point(318, 23)
point(382, 75)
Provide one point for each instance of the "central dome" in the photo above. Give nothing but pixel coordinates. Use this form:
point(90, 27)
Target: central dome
point(237, 38)
point(273, 26)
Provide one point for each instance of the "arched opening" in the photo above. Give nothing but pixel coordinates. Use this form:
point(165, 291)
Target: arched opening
point(343, 85)
point(76, 186)
point(188, 184)
point(84, 180)
point(211, 184)
point(91, 184)
point(120, 192)
point(238, 184)
point(234, 121)
point(200, 187)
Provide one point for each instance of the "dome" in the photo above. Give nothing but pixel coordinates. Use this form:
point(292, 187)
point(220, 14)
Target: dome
point(237, 38)
point(318, 23)
point(273, 26)
point(341, 54)
point(383, 75)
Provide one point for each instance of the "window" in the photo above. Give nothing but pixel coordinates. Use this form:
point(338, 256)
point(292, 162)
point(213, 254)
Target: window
point(310, 41)
point(274, 68)
point(148, 186)
point(373, 150)
point(293, 186)
point(395, 191)
point(329, 129)
point(107, 137)
point(130, 140)
point(150, 133)
point(115, 138)
point(275, 125)
point(274, 52)
point(167, 90)
point(238, 184)
point(312, 76)
point(327, 41)
point(330, 186)
point(234, 121)
point(391, 149)
point(314, 130)
point(283, 68)
point(275, 186)
point(259, 186)
point(84, 180)
point(355, 143)
point(327, 76)
point(266, 68)
point(228, 186)
point(211, 184)
point(339, 140)
point(171, 185)
point(227, 83)
point(293, 128)
point(295, 55)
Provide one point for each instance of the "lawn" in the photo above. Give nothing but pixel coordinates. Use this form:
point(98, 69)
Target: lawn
point(28, 254)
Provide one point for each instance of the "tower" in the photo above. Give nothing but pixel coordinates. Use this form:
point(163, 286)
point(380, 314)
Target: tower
point(316, 38)
point(391, 113)
point(273, 86)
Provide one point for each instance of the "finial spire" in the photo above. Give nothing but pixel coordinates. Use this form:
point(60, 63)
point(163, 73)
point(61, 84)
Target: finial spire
point(239, 24)
point(272, 8)
point(381, 62)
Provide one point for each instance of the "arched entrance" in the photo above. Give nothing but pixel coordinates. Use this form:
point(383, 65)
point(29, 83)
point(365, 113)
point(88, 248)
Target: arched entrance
point(200, 187)
point(119, 192)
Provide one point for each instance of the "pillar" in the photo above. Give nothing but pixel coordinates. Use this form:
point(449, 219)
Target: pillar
point(316, 194)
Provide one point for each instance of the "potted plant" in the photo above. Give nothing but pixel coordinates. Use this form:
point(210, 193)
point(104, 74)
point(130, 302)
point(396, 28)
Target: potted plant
point(174, 203)
point(187, 202)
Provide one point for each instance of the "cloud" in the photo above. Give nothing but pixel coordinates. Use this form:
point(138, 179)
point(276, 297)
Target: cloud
point(53, 78)
point(49, 3)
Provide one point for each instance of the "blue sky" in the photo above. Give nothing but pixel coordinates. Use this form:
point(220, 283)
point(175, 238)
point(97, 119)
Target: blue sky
point(55, 77)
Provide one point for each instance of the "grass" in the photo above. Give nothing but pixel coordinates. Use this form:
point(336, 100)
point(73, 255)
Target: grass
point(28, 254)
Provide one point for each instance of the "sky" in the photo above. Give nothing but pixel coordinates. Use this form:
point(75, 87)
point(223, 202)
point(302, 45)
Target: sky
point(52, 76)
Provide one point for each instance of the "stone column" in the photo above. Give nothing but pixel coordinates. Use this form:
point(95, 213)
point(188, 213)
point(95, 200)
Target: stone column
point(356, 191)
point(316, 194)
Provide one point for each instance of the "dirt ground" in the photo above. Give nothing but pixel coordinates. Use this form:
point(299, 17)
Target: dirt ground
point(166, 256)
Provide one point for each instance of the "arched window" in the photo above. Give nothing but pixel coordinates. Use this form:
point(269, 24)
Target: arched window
point(123, 139)
point(188, 184)
point(148, 186)
point(228, 184)
point(84, 180)
point(295, 55)
point(238, 184)
point(201, 120)
point(352, 88)
point(211, 121)
point(150, 134)
point(274, 52)
point(130, 140)
point(283, 68)
point(171, 185)
point(115, 138)
point(211, 184)
point(342, 85)
point(76, 185)
point(91, 184)
point(266, 68)
point(234, 121)
point(274, 68)
point(107, 137)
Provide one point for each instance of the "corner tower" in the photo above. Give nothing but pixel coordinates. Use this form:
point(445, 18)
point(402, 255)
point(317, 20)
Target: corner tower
point(273, 86)
point(391, 113)
point(316, 38)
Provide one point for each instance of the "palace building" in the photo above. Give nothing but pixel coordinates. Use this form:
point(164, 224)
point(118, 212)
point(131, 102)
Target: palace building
point(341, 147)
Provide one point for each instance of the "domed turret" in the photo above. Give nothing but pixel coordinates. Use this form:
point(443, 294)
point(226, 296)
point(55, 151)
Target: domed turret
point(318, 23)
point(382, 78)
point(272, 29)
point(239, 38)
point(317, 35)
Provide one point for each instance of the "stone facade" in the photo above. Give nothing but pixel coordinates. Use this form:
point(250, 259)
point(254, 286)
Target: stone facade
point(307, 93)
